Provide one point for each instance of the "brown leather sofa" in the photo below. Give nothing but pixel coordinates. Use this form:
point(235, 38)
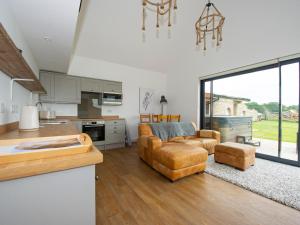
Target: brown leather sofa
point(178, 157)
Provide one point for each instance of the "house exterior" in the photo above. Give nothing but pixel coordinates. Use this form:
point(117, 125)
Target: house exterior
point(230, 106)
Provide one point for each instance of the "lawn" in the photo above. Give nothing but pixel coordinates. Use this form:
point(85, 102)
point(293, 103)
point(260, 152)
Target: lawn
point(268, 129)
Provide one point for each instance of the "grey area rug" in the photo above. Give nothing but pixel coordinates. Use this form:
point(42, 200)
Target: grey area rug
point(273, 180)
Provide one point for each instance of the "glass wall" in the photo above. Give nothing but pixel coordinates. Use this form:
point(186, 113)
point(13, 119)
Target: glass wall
point(290, 110)
point(258, 107)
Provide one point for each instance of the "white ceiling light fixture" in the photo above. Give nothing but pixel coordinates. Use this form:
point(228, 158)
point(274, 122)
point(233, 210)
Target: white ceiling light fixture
point(162, 7)
point(210, 21)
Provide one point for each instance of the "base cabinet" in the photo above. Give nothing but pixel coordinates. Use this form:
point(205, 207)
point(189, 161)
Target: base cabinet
point(61, 198)
point(114, 134)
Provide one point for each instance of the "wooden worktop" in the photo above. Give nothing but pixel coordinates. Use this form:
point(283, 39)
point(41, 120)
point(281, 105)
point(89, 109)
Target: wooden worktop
point(44, 131)
point(36, 167)
point(75, 118)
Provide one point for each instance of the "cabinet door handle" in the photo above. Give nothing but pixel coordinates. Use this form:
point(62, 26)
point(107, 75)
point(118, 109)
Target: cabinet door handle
point(96, 177)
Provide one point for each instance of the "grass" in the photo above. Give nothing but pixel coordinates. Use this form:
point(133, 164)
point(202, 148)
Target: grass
point(268, 129)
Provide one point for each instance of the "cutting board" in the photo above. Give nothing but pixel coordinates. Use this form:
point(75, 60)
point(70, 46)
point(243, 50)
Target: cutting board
point(19, 150)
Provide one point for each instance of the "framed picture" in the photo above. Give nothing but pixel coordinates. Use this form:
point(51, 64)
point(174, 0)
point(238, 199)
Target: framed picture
point(147, 101)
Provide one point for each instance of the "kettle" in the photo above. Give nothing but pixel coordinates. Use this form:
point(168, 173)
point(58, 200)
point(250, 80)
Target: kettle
point(29, 119)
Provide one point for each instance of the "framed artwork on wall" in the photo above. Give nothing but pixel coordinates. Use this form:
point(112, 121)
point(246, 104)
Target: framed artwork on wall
point(147, 97)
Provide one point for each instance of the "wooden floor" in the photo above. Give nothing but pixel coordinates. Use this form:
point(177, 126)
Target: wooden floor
point(130, 192)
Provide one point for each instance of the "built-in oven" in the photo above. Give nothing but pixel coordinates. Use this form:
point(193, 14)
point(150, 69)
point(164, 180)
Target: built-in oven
point(111, 98)
point(96, 130)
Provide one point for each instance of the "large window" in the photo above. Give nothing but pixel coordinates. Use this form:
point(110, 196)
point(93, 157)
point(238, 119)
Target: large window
point(258, 107)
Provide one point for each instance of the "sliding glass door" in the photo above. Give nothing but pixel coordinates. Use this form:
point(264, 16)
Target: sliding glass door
point(258, 107)
point(290, 111)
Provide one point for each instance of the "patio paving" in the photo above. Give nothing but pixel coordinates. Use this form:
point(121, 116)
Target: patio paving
point(270, 147)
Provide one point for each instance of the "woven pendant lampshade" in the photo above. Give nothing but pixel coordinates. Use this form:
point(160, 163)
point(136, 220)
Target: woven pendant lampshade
point(210, 21)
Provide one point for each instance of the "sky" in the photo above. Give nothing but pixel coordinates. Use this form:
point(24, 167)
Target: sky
point(262, 86)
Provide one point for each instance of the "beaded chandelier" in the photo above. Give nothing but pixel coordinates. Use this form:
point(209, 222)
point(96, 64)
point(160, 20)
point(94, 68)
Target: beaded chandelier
point(162, 7)
point(210, 21)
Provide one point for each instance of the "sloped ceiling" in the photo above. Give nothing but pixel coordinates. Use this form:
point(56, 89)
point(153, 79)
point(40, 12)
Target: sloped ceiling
point(54, 20)
point(111, 31)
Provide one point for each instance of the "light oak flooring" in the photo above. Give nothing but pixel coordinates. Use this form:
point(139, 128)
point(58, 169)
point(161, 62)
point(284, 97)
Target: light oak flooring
point(130, 192)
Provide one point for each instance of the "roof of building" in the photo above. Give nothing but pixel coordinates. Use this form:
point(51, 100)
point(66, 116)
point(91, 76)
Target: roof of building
point(217, 97)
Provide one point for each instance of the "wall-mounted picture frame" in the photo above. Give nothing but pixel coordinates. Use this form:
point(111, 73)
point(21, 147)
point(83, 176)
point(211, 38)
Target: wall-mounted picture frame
point(147, 97)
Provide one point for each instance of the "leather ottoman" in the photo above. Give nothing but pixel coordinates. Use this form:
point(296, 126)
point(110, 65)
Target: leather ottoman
point(240, 156)
point(179, 160)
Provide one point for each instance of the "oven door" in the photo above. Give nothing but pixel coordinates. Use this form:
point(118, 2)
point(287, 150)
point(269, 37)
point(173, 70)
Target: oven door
point(95, 131)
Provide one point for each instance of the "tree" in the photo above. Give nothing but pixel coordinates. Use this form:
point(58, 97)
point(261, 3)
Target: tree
point(254, 105)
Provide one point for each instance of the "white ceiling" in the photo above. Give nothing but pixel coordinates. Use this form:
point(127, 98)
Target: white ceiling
point(55, 19)
point(111, 31)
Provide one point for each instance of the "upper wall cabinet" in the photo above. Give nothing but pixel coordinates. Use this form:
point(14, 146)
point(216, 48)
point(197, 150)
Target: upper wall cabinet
point(60, 88)
point(67, 89)
point(111, 86)
point(47, 80)
point(90, 85)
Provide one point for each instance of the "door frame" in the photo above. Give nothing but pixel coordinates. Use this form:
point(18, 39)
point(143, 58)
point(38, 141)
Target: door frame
point(271, 66)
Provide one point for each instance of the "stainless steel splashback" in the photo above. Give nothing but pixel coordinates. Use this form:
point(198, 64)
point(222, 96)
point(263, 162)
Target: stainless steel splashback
point(90, 106)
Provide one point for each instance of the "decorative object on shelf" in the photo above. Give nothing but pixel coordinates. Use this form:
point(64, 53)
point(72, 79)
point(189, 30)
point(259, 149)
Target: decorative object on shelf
point(210, 21)
point(146, 100)
point(162, 7)
point(163, 102)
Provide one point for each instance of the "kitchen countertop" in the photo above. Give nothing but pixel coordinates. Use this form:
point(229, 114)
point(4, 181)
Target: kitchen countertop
point(35, 167)
point(75, 118)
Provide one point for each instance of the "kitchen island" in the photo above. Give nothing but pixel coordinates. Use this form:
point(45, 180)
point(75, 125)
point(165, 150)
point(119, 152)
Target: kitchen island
point(58, 190)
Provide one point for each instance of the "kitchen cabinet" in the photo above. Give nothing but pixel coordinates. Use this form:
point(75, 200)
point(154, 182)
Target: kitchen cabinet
point(111, 86)
point(64, 197)
point(67, 89)
point(47, 80)
point(61, 88)
point(90, 85)
point(114, 133)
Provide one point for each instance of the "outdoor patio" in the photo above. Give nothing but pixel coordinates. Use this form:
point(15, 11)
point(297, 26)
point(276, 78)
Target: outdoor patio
point(270, 147)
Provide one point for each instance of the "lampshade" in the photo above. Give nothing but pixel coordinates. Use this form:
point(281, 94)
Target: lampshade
point(163, 100)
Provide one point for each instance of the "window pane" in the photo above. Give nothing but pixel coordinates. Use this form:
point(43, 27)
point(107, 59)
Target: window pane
point(207, 105)
point(290, 110)
point(245, 109)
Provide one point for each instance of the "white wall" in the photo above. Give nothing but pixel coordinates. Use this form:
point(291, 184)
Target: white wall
point(254, 31)
point(132, 79)
point(21, 95)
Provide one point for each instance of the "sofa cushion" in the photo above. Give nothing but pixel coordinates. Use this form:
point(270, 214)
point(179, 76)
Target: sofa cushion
point(206, 133)
point(177, 156)
point(206, 143)
point(176, 138)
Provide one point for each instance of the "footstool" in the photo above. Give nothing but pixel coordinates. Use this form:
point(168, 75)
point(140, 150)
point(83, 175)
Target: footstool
point(240, 156)
point(179, 160)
